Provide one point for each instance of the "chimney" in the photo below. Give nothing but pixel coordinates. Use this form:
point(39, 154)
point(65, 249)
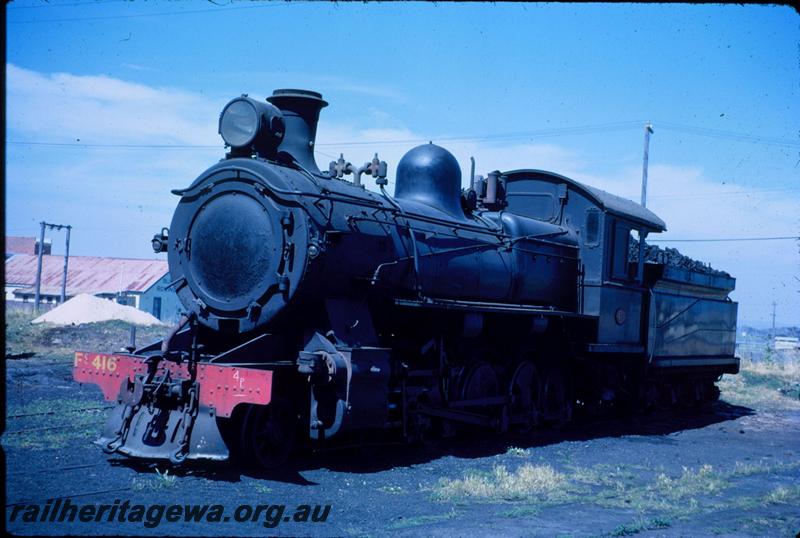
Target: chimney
point(301, 113)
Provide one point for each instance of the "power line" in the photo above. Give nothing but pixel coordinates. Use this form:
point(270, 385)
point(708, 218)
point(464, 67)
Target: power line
point(729, 239)
point(725, 193)
point(540, 133)
point(52, 5)
point(560, 131)
point(138, 15)
point(730, 135)
point(113, 146)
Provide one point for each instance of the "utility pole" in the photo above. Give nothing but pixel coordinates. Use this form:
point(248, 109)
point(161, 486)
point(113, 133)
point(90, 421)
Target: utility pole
point(37, 297)
point(648, 130)
point(66, 263)
point(39, 269)
point(774, 304)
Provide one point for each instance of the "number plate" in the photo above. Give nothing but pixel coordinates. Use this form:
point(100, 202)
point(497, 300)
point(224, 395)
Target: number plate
point(221, 387)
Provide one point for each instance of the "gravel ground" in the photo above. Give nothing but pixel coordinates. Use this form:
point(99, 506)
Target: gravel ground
point(730, 470)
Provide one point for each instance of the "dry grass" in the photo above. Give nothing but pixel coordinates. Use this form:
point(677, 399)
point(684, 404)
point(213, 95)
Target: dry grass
point(158, 481)
point(695, 490)
point(608, 476)
point(759, 384)
point(423, 520)
point(622, 486)
point(46, 424)
point(527, 481)
point(692, 483)
point(518, 452)
point(783, 495)
point(618, 486)
point(47, 340)
point(788, 370)
point(761, 467)
point(640, 525)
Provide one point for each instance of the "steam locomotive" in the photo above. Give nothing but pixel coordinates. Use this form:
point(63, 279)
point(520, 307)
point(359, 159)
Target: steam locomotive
point(316, 307)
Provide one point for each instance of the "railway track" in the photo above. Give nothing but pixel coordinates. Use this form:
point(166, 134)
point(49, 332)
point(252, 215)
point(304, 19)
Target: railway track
point(68, 411)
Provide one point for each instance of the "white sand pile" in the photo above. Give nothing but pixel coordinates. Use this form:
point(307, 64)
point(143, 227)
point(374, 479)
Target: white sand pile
point(87, 308)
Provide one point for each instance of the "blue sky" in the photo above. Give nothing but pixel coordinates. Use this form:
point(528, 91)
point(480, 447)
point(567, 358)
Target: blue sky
point(565, 87)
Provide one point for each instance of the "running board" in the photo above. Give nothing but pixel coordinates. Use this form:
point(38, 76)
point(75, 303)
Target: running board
point(477, 306)
point(460, 416)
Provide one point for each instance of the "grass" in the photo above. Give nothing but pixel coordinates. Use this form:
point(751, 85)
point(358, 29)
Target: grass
point(49, 440)
point(522, 511)
point(422, 520)
point(692, 483)
point(677, 496)
point(518, 452)
point(762, 467)
point(45, 339)
point(40, 406)
point(155, 482)
point(779, 495)
point(606, 475)
point(261, 488)
point(641, 524)
point(784, 495)
point(81, 427)
point(759, 383)
point(24, 337)
point(395, 490)
point(31, 417)
point(659, 497)
point(528, 481)
point(623, 486)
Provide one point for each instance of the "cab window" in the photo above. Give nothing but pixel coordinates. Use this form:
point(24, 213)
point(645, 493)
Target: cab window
point(620, 246)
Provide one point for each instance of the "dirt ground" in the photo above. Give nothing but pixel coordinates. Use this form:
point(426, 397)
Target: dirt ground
point(730, 470)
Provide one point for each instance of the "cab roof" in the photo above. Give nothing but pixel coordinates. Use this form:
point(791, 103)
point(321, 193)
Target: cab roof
point(611, 203)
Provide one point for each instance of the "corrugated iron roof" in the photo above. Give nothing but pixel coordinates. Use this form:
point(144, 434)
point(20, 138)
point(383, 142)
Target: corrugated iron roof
point(86, 274)
point(20, 245)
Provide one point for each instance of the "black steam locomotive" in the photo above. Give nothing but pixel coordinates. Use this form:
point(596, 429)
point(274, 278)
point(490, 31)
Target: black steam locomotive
point(315, 306)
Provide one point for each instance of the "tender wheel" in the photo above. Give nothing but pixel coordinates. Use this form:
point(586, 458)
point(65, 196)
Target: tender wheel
point(268, 434)
point(556, 407)
point(687, 393)
point(667, 395)
point(525, 396)
point(649, 396)
point(710, 391)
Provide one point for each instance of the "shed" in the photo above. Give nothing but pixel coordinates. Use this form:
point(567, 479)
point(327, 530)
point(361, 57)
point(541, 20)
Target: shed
point(124, 279)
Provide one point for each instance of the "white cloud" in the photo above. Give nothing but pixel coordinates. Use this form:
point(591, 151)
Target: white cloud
point(124, 195)
point(100, 109)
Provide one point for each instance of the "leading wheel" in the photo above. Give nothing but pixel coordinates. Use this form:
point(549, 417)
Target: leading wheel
point(268, 434)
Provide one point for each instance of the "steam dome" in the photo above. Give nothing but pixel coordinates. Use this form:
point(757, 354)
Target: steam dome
point(430, 175)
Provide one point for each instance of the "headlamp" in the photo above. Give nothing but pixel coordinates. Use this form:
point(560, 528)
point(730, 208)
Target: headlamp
point(249, 125)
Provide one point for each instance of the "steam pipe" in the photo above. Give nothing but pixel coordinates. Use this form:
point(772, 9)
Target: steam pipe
point(168, 340)
point(472, 173)
point(491, 188)
point(411, 234)
point(357, 174)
